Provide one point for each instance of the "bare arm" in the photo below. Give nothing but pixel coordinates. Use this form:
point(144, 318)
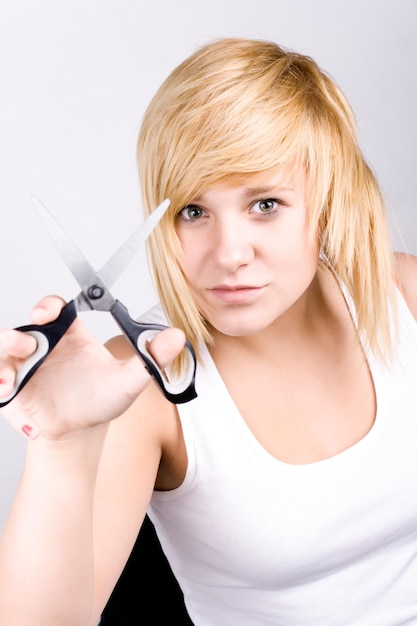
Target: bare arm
point(46, 552)
point(62, 548)
point(130, 461)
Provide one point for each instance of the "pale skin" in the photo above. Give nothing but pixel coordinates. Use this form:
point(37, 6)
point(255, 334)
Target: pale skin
point(90, 473)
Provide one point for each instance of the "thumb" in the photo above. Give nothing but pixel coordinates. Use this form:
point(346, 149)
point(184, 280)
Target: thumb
point(166, 345)
point(163, 348)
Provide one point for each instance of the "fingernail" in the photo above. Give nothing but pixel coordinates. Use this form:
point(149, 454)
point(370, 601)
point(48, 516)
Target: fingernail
point(29, 431)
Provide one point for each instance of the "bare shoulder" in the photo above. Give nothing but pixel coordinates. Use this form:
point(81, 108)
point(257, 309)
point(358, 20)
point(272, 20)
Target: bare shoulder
point(406, 267)
point(119, 347)
point(159, 418)
point(151, 406)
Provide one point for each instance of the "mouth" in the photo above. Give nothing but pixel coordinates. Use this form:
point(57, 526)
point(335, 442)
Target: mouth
point(239, 294)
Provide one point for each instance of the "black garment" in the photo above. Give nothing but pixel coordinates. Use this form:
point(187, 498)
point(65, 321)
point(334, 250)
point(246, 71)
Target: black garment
point(147, 593)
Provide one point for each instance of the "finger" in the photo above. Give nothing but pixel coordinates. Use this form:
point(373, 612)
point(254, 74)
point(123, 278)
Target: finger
point(7, 380)
point(15, 417)
point(17, 344)
point(24, 426)
point(47, 309)
point(166, 345)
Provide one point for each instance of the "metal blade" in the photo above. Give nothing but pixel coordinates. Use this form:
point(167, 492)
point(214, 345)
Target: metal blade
point(75, 260)
point(112, 269)
point(80, 267)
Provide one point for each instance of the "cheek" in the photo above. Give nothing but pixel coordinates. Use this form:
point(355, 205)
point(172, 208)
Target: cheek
point(291, 243)
point(309, 261)
point(191, 259)
point(297, 258)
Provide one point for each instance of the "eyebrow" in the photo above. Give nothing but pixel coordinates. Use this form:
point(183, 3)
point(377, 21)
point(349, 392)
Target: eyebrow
point(257, 191)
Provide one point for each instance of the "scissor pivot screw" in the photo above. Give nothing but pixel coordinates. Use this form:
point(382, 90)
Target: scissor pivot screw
point(95, 292)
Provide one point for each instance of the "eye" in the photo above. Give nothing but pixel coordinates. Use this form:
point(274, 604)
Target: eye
point(191, 212)
point(269, 205)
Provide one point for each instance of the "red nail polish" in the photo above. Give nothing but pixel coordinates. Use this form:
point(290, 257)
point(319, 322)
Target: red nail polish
point(27, 430)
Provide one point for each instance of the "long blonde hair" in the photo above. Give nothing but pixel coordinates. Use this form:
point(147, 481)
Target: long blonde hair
point(239, 106)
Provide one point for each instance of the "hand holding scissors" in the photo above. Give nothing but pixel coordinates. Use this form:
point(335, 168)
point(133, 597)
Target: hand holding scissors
point(95, 295)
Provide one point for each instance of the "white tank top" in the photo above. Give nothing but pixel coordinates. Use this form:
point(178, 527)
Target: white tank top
point(256, 541)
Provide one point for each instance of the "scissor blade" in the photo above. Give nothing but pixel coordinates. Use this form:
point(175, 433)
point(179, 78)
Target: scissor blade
point(112, 269)
point(80, 267)
point(73, 257)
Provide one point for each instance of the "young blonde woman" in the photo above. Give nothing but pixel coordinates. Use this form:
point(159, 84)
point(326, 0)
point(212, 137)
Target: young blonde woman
point(286, 492)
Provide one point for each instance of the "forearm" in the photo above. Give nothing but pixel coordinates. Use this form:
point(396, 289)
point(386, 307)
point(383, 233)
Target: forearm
point(46, 552)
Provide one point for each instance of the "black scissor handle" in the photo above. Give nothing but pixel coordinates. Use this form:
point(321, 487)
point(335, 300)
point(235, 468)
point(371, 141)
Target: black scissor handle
point(47, 336)
point(138, 334)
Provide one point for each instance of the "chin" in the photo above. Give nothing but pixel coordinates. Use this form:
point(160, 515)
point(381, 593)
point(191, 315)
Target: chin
point(235, 326)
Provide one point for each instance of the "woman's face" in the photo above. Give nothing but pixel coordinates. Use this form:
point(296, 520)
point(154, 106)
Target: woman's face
point(248, 255)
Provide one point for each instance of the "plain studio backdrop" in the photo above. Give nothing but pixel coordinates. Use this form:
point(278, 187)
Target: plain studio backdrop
point(75, 79)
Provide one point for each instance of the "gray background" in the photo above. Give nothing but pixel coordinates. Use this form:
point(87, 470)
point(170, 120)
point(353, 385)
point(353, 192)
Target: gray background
point(75, 78)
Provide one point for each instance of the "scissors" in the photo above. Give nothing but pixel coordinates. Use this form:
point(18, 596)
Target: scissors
point(95, 295)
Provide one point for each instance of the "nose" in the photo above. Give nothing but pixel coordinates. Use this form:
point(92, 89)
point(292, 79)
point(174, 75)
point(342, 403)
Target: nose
point(232, 245)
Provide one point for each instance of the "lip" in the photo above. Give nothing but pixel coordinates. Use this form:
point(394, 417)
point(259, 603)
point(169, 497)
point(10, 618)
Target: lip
point(236, 294)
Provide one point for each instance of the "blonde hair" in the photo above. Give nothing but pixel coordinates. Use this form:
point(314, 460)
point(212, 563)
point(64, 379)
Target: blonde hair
point(239, 106)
